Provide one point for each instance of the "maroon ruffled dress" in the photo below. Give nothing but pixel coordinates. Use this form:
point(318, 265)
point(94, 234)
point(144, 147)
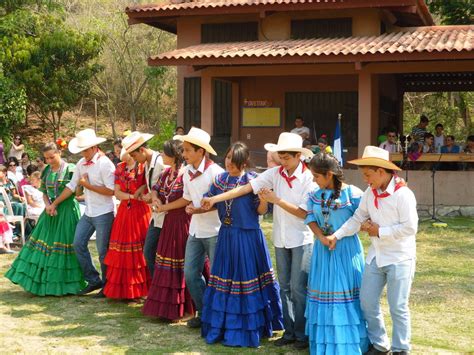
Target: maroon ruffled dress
point(168, 296)
point(127, 274)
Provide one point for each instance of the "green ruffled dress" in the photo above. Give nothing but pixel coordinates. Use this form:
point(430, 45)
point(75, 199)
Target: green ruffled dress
point(47, 264)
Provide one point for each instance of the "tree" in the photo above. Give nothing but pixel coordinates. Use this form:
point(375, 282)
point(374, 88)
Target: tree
point(128, 87)
point(453, 12)
point(53, 63)
point(12, 106)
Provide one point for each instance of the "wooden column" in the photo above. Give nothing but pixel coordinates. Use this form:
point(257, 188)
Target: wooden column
point(207, 107)
point(235, 112)
point(368, 110)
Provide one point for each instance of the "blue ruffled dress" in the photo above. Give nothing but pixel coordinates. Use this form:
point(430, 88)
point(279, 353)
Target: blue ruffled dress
point(334, 321)
point(242, 300)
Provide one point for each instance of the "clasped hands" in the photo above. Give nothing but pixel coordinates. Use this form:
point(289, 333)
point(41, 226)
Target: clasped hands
point(368, 226)
point(51, 210)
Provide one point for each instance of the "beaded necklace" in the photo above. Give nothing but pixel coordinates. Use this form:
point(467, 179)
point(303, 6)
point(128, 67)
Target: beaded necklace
point(56, 179)
point(228, 204)
point(169, 185)
point(326, 212)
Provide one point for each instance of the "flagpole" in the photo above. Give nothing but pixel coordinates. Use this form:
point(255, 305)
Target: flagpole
point(337, 150)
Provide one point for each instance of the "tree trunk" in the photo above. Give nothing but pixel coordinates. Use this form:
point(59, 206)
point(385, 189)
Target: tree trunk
point(133, 119)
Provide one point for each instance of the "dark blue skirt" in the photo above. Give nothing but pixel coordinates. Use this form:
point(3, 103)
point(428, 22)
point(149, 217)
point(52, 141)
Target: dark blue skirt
point(242, 300)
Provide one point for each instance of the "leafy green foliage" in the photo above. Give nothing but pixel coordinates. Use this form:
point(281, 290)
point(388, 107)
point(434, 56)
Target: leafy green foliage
point(12, 107)
point(452, 110)
point(453, 12)
point(52, 62)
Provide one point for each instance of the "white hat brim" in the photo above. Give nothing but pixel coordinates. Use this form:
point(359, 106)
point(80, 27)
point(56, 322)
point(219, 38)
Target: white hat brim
point(146, 137)
point(378, 162)
point(271, 147)
point(195, 141)
point(74, 148)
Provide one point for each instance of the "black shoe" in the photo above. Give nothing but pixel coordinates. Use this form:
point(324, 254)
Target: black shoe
point(89, 289)
point(374, 351)
point(283, 341)
point(100, 294)
point(403, 352)
point(301, 344)
point(194, 322)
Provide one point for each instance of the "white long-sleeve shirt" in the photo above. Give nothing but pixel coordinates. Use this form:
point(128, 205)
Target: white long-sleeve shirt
point(397, 218)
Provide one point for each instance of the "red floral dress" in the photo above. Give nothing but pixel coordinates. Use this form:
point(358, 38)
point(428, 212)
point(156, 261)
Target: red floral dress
point(127, 274)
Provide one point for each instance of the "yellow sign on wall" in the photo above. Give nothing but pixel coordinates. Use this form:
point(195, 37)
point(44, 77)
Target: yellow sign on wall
point(261, 117)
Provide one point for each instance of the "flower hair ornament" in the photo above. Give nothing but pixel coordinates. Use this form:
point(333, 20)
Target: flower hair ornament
point(61, 143)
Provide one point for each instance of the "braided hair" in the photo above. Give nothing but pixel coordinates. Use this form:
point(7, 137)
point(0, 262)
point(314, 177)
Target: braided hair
point(322, 163)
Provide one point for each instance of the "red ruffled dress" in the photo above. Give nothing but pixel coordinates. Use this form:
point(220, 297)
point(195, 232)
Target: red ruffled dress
point(168, 297)
point(127, 274)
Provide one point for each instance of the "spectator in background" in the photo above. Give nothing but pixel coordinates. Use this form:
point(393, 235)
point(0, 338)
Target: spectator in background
point(450, 146)
point(179, 131)
point(15, 172)
point(30, 169)
point(12, 193)
point(2, 152)
point(25, 161)
point(439, 139)
point(429, 146)
point(390, 144)
point(40, 163)
point(469, 145)
point(17, 148)
point(34, 197)
point(300, 128)
point(117, 150)
point(323, 144)
point(418, 132)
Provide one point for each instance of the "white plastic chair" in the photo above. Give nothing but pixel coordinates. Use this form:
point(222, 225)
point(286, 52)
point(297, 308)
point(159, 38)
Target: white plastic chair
point(11, 218)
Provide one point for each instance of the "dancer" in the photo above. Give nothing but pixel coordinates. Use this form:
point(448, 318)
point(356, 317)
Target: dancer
point(127, 274)
point(332, 304)
point(198, 178)
point(135, 143)
point(94, 175)
point(291, 184)
point(169, 298)
point(241, 302)
point(47, 264)
point(387, 211)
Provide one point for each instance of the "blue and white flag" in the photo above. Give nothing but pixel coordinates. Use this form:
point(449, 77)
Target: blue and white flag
point(337, 148)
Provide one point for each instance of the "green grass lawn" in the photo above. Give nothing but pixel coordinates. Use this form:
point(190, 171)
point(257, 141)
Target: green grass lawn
point(441, 304)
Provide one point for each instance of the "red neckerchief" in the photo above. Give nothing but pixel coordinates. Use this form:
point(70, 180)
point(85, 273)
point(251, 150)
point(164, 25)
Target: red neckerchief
point(399, 182)
point(289, 179)
point(207, 164)
point(91, 162)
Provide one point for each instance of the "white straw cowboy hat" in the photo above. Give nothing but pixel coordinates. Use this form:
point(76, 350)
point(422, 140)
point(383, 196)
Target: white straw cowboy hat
point(375, 156)
point(289, 142)
point(134, 140)
point(84, 139)
point(198, 137)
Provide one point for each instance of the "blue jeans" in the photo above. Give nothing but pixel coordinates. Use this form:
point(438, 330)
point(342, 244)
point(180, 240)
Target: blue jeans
point(102, 225)
point(398, 278)
point(194, 257)
point(151, 244)
point(293, 267)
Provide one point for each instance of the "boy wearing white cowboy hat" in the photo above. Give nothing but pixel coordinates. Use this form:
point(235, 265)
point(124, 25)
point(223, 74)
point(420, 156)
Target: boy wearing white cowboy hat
point(387, 211)
point(199, 175)
point(135, 144)
point(95, 175)
point(291, 182)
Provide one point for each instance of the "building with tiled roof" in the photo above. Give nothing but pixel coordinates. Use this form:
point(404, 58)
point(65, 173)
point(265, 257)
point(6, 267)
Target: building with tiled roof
point(247, 68)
